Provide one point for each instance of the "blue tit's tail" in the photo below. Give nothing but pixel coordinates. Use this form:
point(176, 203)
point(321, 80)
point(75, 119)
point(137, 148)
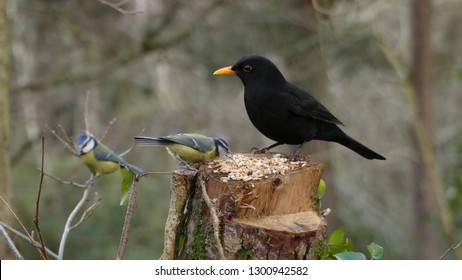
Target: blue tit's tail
point(151, 141)
point(133, 168)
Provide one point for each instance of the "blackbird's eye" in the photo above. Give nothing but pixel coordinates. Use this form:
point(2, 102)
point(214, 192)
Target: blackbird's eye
point(248, 68)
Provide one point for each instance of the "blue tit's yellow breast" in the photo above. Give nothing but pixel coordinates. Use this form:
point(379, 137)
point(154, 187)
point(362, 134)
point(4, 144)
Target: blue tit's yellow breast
point(99, 167)
point(191, 155)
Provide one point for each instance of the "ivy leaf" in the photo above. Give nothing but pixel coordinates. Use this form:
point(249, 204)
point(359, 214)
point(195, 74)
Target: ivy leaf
point(337, 237)
point(127, 181)
point(350, 256)
point(338, 243)
point(375, 250)
point(321, 188)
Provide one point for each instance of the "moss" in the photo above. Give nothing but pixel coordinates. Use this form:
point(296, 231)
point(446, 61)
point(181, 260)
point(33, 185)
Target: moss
point(317, 249)
point(198, 245)
point(245, 252)
point(200, 233)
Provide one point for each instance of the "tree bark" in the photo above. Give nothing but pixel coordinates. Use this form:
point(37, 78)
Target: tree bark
point(273, 218)
point(5, 189)
point(424, 201)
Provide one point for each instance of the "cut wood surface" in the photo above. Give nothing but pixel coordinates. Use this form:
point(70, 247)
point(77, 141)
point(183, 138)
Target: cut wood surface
point(261, 208)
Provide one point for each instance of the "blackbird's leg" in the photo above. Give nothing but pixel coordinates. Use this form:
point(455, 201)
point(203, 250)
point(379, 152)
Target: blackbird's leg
point(264, 150)
point(295, 153)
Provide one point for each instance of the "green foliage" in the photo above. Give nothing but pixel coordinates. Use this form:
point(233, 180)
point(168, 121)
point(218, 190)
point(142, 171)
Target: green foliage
point(128, 176)
point(340, 247)
point(245, 252)
point(336, 244)
point(350, 256)
point(375, 250)
point(320, 192)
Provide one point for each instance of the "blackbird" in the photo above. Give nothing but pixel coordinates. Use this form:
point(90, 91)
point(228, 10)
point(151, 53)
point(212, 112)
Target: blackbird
point(284, 112)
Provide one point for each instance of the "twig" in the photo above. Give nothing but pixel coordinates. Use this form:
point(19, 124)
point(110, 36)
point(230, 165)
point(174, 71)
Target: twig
point(453, 247)
point(61, 180)
point(66, 137)
point(108, 127)
point(132, 147)
point(117, 7)
point(10, 244)
point(215, 219)
point(67, 145)
point(28, 238)
point(129, 58)
point(37, 203)
point(68, 226)
point(85, 113)
point(89, 211)
point(31, 239)
point(128, 217)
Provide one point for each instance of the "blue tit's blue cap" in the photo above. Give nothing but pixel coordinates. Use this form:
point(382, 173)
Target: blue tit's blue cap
point(220, 142)
point(82, 139)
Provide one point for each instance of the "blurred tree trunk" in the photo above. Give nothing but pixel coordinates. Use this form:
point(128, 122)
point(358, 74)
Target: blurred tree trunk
point(5, 190)
point(317, 21)
point(424, 201)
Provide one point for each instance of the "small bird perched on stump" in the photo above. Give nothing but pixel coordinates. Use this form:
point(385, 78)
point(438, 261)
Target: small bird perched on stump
point(187, 147)
point(99, 158)
point(284, 112)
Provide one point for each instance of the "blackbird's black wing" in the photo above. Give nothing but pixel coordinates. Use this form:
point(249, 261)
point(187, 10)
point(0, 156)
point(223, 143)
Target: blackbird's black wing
point(305, 105)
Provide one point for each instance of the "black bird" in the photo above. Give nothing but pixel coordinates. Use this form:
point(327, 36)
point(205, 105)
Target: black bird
point(284, 112)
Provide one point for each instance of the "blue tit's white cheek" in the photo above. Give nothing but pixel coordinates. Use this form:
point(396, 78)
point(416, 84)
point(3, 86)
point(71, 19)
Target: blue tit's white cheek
point(87, 147)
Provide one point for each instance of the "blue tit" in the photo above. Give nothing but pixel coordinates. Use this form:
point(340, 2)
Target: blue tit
point(188, 147)
point(99, 158)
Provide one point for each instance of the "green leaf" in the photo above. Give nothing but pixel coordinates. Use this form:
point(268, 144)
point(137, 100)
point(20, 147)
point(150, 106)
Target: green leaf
point(127, 181)
point(350, 256)
point(321, 188)
point(349, 245)
point(338, 243)
point(375, 250)
point(337, 237)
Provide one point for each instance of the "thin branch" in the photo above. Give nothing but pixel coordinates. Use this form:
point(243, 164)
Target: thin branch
point(65, 135)
point(28, 238)
point(215, 219)
point(119, 62)
point(31, 239)
point(117, 7)
point(453, 247)
point(37, 203)
point(68, 226)
point(10, 243)
point(132, 147)
point(108, 127)
point(89, 211)
point(128, 217)
point(85, 113)
point(67, 145)
point(61, 180)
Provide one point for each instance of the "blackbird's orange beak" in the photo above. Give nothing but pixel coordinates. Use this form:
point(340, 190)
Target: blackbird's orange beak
point(225, 71)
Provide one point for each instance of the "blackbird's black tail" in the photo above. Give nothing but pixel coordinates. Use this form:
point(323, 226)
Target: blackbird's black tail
point(354, 145)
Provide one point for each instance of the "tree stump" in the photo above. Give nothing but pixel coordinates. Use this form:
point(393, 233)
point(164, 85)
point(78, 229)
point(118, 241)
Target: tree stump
point(231, 209)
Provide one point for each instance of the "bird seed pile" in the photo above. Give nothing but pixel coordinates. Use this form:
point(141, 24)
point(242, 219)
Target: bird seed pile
point(248, 168)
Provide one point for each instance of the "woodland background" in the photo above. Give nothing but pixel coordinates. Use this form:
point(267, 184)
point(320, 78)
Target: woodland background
point(390, 70)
